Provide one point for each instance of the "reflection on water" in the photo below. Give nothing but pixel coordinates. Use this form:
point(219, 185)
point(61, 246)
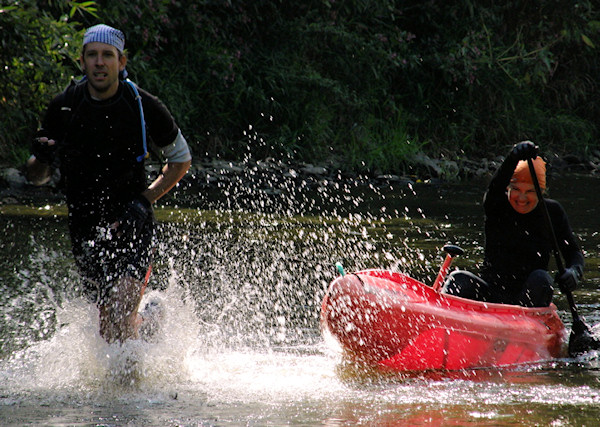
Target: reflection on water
point(242, 278)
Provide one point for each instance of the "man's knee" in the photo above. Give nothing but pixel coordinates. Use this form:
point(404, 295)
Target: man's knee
point(540, 278)
point(538, 289)
point(466, 285)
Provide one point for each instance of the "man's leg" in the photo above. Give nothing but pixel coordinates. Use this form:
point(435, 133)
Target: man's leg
point(122, 267)
point(466, 285)
point(119, 319)
point(537, 291)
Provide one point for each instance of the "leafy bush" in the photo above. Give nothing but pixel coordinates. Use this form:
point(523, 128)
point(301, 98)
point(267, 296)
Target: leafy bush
point(303, 77)
point(368, 83)
point(497, 72)
point(37, 58)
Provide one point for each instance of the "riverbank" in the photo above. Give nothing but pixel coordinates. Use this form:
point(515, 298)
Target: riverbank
point(261, 174)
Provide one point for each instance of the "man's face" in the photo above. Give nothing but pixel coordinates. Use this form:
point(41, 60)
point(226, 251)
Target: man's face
point(522, 197)
point(101, 63)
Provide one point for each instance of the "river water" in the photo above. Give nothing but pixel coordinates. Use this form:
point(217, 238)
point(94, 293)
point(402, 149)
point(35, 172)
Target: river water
point(241, 273)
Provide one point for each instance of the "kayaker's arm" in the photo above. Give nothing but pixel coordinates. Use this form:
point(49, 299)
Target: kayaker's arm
point(497, 187)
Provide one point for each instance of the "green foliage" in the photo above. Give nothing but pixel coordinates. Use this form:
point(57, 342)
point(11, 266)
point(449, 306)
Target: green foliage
point(39, 47)
point(505, 70)
point(313, 80)
point(302, 76)
point(381, 146)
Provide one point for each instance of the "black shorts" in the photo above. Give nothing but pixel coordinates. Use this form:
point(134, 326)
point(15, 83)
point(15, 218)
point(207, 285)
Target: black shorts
point(102, 258)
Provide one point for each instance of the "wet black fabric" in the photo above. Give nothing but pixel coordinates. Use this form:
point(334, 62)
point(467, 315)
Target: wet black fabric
point(98, 142)
point(517, 244)
point(97, 146)
point(106, 257)
point(536, 290)
point(518, 248)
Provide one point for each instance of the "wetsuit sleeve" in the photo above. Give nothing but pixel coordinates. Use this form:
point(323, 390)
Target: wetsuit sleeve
point(496, 192)
point(178, 151)
point(566, 239)
point(160, 123)
point(53, 128)
point(53, 123)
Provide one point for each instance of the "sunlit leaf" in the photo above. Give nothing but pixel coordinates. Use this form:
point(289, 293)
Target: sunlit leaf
point(587, 41)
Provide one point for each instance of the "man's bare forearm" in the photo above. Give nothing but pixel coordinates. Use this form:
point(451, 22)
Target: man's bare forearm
point(170, 176)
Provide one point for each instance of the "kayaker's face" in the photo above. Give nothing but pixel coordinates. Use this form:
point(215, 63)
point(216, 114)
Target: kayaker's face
point(522, 197)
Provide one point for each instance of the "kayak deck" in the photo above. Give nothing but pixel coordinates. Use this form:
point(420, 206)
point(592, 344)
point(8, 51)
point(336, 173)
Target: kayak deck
point(394, 322)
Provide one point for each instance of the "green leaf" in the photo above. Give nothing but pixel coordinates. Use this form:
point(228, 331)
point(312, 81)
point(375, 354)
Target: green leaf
point(587, 41)
point(7, 9)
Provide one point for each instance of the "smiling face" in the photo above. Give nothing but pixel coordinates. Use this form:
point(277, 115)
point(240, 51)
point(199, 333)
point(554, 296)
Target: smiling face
point(102, 63)
point(522, 197)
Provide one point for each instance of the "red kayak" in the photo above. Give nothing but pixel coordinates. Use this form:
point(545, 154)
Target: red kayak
point(393, 322)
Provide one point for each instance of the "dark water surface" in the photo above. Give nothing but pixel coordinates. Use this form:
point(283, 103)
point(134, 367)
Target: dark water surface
point(241, 273)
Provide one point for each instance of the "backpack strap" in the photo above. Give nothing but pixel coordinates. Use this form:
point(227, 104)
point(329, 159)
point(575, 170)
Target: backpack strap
point(69, 103)
point(138, 98)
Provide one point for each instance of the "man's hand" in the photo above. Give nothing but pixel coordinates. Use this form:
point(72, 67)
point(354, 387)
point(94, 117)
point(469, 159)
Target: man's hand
point(569, 280)
point(135, 215)
point(38, 173)
point(525, 150)
point(44, 149)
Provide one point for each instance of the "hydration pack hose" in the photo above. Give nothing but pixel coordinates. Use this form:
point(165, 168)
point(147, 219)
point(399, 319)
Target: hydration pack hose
point(138, 98)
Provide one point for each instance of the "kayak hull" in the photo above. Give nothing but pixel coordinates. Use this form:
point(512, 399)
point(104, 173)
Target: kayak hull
point(393, 322)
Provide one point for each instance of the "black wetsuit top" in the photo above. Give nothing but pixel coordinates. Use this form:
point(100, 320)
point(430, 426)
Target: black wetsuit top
point(98, 142)
point(517, 244)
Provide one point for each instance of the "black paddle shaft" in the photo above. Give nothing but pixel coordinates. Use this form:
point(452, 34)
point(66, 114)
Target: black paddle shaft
point(555, 248)
point(581, 339)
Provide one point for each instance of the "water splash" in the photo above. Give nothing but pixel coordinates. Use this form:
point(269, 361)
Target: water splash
point(242, 272)
point(77, 358)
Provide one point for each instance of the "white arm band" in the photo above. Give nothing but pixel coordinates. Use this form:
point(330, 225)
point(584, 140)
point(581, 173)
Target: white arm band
point(178, 151)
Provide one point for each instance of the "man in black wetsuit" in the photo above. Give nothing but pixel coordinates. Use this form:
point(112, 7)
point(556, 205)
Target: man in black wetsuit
point(97, 131)
point(518, 243)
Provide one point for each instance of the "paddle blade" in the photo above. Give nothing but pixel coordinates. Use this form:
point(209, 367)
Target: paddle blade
point(581, 339)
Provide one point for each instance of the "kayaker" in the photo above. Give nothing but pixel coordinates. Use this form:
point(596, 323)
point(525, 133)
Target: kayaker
point(518, 245)
point(95, 132)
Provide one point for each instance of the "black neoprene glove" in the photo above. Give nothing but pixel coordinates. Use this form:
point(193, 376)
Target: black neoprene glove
point(525, 150)
point(569, 279)
point(135, 215)
point(42, 151)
